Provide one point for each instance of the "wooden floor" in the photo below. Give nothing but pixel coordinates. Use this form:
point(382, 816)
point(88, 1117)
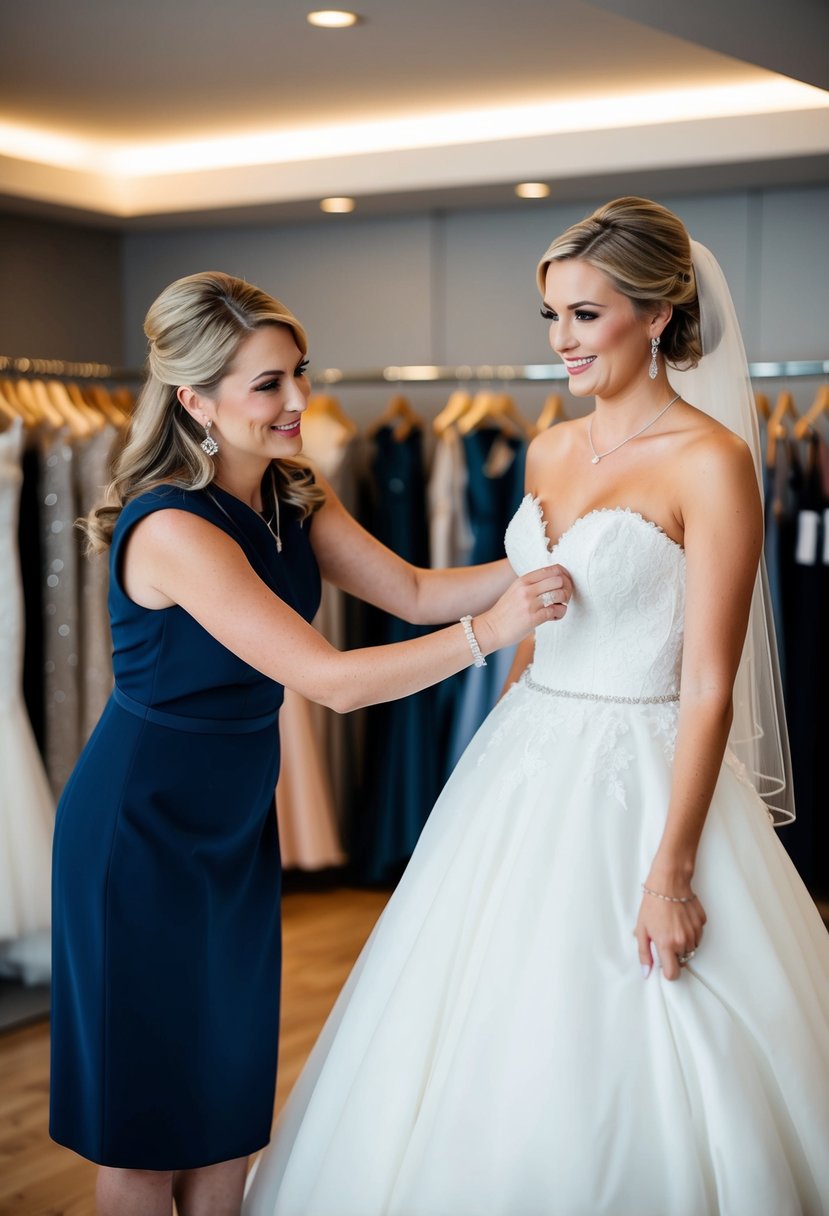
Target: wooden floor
point(324, 932)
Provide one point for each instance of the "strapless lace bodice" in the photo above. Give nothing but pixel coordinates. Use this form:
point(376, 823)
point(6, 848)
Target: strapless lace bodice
point(622, 633)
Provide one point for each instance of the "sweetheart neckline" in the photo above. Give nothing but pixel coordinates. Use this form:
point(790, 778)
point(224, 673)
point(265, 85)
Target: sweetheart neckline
point(580, 519)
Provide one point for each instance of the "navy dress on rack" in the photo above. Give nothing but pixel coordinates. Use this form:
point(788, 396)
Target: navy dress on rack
point(166, 885)
point(495, 487)
point(401, 774)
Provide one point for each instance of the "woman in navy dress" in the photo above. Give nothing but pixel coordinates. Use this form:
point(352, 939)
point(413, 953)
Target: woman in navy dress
point(166, 860)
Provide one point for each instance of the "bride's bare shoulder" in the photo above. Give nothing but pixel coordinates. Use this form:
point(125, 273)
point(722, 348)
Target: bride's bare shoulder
point(557, 442)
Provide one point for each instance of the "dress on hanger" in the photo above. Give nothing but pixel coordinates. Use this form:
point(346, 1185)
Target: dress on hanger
point(92, 461)
point(311, 782)
point(495, 483)
point(450, 537)
point(61, 623)
point(26, 807)
point(401, 776)
point(165, 992)
point(496, 1049)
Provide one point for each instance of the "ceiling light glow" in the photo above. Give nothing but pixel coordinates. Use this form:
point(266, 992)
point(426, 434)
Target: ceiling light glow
point(532, 190)
point(145, 160)
point(337, 206)
point(332, 19)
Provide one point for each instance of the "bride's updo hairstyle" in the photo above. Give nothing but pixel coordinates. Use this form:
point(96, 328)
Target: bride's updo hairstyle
point(645, 251)
point(194, 329)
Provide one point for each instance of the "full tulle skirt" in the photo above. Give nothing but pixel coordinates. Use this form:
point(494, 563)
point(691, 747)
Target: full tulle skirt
point(497, 1051)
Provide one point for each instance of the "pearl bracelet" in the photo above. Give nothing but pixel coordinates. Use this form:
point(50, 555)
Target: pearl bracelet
point(480, 661)
point(671, 899)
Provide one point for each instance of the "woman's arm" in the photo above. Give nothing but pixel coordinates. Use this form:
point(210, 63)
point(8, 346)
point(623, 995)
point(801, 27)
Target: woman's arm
point(723, 524)
point(175, 557)
point(523, 657)
point(351, 558)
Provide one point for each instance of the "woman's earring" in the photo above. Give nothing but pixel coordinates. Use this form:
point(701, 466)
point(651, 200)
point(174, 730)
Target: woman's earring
point(652, 370)
point(209, 444)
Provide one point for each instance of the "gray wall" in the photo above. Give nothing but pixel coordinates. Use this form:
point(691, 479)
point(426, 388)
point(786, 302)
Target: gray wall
point(459, 287)
point(60, 291)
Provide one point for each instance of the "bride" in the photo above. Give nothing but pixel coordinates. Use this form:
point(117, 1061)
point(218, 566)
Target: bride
point(600, 987)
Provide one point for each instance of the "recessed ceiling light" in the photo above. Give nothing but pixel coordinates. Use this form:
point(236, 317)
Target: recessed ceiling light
point(332, 18)
point(532, 190)
point(337, 205)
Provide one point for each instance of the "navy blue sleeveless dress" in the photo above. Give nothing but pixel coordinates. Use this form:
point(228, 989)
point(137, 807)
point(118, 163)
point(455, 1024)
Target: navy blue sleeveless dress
point(166, 879)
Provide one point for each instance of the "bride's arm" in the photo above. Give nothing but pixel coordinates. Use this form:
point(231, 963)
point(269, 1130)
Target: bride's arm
point(723, 534)
point(352, 559)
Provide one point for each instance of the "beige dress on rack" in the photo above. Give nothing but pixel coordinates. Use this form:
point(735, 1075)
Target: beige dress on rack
point(307, 792)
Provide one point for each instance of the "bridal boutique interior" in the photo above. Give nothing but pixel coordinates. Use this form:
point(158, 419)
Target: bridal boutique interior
point(394, 183)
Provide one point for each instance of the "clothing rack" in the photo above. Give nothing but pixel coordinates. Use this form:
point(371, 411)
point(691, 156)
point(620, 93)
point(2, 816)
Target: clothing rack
point(528, 372)
point(412, 373)
point(64, 369)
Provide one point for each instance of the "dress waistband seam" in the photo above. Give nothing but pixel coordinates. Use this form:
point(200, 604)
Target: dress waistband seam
point(200, 726)
point(663, 699)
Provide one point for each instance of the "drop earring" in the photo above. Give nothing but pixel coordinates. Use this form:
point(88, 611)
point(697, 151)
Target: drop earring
point(209, 444)
point(653, 369)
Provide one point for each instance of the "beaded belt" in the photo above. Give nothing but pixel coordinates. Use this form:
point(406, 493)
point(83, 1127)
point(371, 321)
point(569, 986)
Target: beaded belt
point(597, 696)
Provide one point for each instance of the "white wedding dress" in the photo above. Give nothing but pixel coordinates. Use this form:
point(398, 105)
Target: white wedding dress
point(26, 808)
point(496, 1050)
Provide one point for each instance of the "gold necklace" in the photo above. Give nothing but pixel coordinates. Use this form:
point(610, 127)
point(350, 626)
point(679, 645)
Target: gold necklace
point(270, 521)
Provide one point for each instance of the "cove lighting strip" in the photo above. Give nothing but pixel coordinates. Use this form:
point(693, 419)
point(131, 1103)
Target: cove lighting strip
point(143, 160)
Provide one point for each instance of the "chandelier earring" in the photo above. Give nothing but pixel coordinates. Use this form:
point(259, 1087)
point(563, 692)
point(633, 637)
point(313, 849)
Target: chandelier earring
point(209, 444)
point(653, 369)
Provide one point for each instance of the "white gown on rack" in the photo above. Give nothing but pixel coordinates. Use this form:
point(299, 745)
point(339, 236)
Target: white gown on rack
point(26, 808)
point(496, 1050)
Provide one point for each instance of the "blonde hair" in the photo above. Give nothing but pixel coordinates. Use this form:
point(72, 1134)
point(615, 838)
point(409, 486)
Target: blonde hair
point(194, 329)
point(645, 251)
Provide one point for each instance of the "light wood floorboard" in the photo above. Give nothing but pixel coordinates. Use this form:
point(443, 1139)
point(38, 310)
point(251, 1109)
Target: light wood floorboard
point(323, 934)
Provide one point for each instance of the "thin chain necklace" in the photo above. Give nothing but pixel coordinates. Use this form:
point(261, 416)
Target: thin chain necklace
point(270, 521)
point(597, 456)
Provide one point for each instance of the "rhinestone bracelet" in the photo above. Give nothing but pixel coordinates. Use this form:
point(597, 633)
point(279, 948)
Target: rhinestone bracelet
point(671, 899)
point(480, 661)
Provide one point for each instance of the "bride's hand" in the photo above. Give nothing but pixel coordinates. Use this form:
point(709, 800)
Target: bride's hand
point(542, 595)
point(675, 929)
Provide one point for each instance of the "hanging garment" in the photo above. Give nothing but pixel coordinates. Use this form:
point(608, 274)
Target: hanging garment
point(450, 537)
point(807, 670)
point(308, 837)
point(92, 462)
point(61, 624)
point(495, 485)
point(401, 771)
point(26, 808)
point(780, 528)
point(313, 778)
point(30, 545)
point(165, 993)
point(496, 1049)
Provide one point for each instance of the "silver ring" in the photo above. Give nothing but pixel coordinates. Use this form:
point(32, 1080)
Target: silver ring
point(547, 599)
point(682, 959)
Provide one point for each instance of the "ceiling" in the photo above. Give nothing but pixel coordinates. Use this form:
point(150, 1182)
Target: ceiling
point(180, 110)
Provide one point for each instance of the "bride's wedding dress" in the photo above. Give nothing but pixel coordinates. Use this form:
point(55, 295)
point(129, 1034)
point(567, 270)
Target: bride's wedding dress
point(496, 1050)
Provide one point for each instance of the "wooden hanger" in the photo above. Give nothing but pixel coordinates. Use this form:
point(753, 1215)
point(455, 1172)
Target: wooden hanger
point(457, 405)
point(78, 423)
point(98, 398)
point(20, 402)
point(399, 415)
point(38, 404)
point(323, 405)
point(497, 408)
point(552, 411)
point(819, 406)
point(761, 404)
point(84, 415)
point(784, 408)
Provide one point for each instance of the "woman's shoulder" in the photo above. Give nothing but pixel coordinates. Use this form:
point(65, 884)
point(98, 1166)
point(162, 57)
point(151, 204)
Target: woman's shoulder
point(162, 496)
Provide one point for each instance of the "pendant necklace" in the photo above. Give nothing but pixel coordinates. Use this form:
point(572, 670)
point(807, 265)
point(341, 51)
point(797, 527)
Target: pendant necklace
point(597, 456)
point(274, 515)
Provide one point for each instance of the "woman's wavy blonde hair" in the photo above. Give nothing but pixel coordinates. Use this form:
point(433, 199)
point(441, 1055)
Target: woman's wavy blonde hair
point(645, 251)
point(194, 329)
